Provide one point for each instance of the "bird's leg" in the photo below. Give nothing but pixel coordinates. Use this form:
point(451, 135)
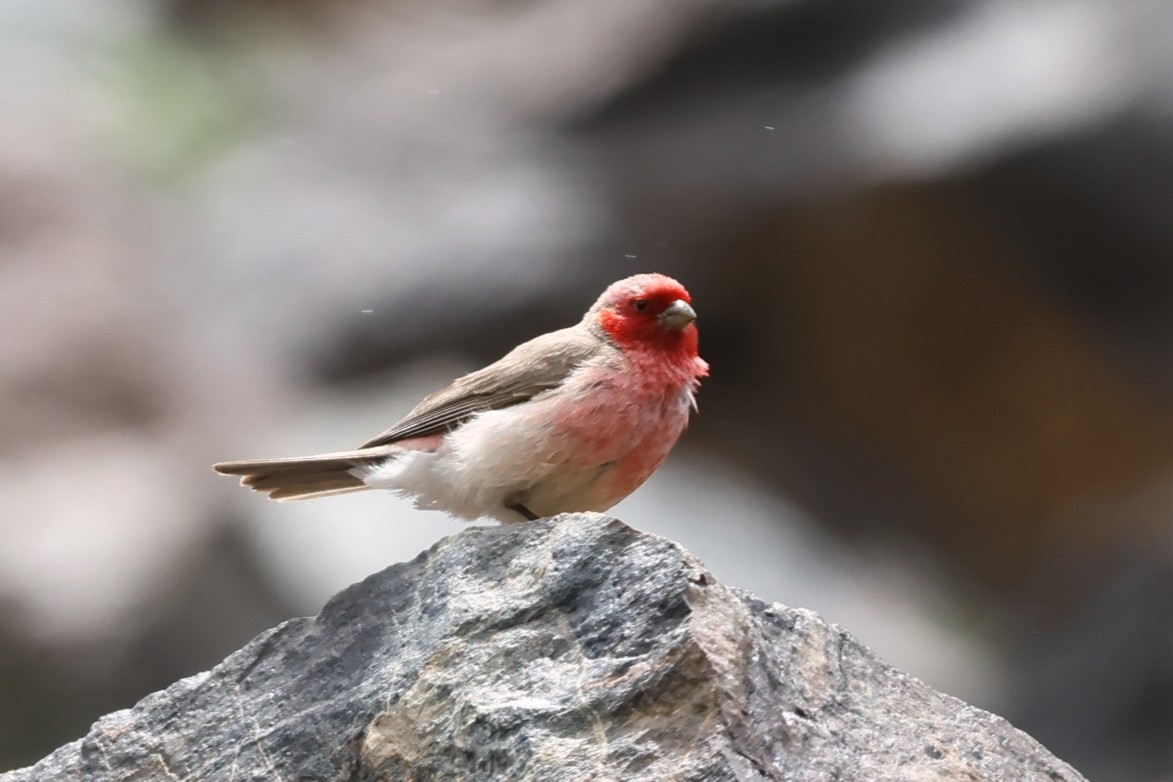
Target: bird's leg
point(523, 511)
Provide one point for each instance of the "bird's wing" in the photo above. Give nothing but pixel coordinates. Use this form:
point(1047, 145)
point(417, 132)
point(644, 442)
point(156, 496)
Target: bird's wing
point(529, 369)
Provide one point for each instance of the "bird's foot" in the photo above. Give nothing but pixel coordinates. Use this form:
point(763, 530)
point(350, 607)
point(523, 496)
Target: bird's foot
point(523, 511)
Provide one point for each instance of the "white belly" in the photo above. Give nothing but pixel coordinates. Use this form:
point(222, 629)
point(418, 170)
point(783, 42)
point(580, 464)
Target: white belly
point(533, 455)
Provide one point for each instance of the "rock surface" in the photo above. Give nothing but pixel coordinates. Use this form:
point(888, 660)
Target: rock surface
point(572, 649)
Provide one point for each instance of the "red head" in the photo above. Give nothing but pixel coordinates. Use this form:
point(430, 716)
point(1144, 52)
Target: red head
point(648, 311)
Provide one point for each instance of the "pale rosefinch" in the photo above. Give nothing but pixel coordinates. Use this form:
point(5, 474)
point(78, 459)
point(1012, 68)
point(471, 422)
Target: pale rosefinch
point(574, 420)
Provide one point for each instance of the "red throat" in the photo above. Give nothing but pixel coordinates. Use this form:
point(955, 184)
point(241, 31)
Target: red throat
point(639, 334)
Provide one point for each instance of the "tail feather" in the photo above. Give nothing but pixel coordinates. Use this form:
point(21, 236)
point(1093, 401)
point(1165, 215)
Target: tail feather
point(324, 489)
point(304, 477)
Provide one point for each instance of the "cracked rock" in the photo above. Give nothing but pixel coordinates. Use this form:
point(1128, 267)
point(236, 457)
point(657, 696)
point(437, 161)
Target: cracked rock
point(570, 649)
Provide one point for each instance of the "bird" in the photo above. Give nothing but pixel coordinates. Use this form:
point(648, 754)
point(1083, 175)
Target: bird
point(572, 420)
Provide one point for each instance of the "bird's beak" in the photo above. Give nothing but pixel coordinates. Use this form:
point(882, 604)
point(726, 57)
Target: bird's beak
point(678, 315)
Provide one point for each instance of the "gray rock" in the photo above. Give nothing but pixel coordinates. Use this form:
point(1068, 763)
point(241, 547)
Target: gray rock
point(572, 649)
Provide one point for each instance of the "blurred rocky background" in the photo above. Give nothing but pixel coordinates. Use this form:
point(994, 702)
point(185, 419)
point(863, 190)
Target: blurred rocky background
point(930, 241)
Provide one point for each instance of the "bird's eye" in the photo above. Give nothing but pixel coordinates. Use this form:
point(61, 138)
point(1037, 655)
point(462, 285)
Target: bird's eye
point(641, 305)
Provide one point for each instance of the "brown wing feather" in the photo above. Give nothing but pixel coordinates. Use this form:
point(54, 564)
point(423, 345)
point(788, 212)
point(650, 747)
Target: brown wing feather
point(529, 369)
